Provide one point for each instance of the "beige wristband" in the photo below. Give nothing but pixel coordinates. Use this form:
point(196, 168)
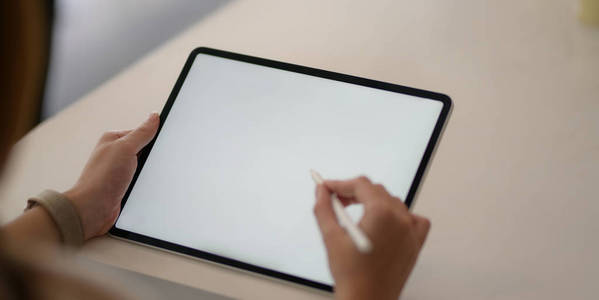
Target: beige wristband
point(63, 213)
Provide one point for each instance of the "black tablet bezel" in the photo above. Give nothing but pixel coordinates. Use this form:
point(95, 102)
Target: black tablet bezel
point(143, 155)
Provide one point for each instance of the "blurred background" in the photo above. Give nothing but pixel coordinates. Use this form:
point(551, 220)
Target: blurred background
point(511, 192)
point(95, 39)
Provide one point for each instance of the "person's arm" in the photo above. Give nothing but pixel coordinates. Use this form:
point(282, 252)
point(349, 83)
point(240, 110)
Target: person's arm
point(33, 225)
point(97, 194)
point(396, 235)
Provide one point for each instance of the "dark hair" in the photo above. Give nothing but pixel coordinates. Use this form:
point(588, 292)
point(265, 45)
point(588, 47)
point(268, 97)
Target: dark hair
point(25, 29)
point(25, 48)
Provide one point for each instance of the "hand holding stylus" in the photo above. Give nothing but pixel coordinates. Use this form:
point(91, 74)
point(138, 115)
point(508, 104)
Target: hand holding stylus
point(395, 234)
point(355, 233)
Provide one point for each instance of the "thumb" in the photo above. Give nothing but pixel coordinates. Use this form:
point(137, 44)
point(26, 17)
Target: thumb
point(143, 134)
point(421, 227)
point(325, 216)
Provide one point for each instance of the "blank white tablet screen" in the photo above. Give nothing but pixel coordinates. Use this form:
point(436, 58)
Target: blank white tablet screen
point(229, 172)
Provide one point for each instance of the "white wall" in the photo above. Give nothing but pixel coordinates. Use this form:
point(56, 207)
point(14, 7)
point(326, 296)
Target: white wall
point(95, 39)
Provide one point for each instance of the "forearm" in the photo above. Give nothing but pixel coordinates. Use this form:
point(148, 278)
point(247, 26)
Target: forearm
point(34, 226)
point(357, 293)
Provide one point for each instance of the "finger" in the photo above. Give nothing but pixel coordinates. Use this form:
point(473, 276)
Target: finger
point(142, 135)
point(325, 216)
point(421, 227)
point(400, 204)
point(347, 201)
point(347, 188)
point(394, 201)
point(360, 189)
point(110, 136)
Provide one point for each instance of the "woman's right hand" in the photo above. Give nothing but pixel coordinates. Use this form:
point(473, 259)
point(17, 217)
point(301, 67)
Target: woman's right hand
point(396, 235)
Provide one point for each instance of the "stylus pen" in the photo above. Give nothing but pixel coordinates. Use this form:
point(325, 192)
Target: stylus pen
point(355, 233)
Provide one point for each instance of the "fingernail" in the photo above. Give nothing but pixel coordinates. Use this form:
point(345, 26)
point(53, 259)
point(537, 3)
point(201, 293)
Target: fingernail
point(152, 114)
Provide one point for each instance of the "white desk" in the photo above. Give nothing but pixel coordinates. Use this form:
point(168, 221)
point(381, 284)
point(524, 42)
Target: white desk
point(512, 191)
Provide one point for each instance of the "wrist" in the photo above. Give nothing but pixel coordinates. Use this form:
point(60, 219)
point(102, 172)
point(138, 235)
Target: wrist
point(62, 212)
point(74, 197)
point(361, 290)
point(50, 231)
point(36, 224)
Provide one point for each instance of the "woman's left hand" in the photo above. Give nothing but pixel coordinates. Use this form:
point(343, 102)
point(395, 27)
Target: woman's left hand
point(98, 193)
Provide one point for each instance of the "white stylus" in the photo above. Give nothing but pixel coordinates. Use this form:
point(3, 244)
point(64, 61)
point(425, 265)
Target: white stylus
point(355, 233)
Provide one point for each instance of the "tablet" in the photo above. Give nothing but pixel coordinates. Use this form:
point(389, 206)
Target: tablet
point(226, 179)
